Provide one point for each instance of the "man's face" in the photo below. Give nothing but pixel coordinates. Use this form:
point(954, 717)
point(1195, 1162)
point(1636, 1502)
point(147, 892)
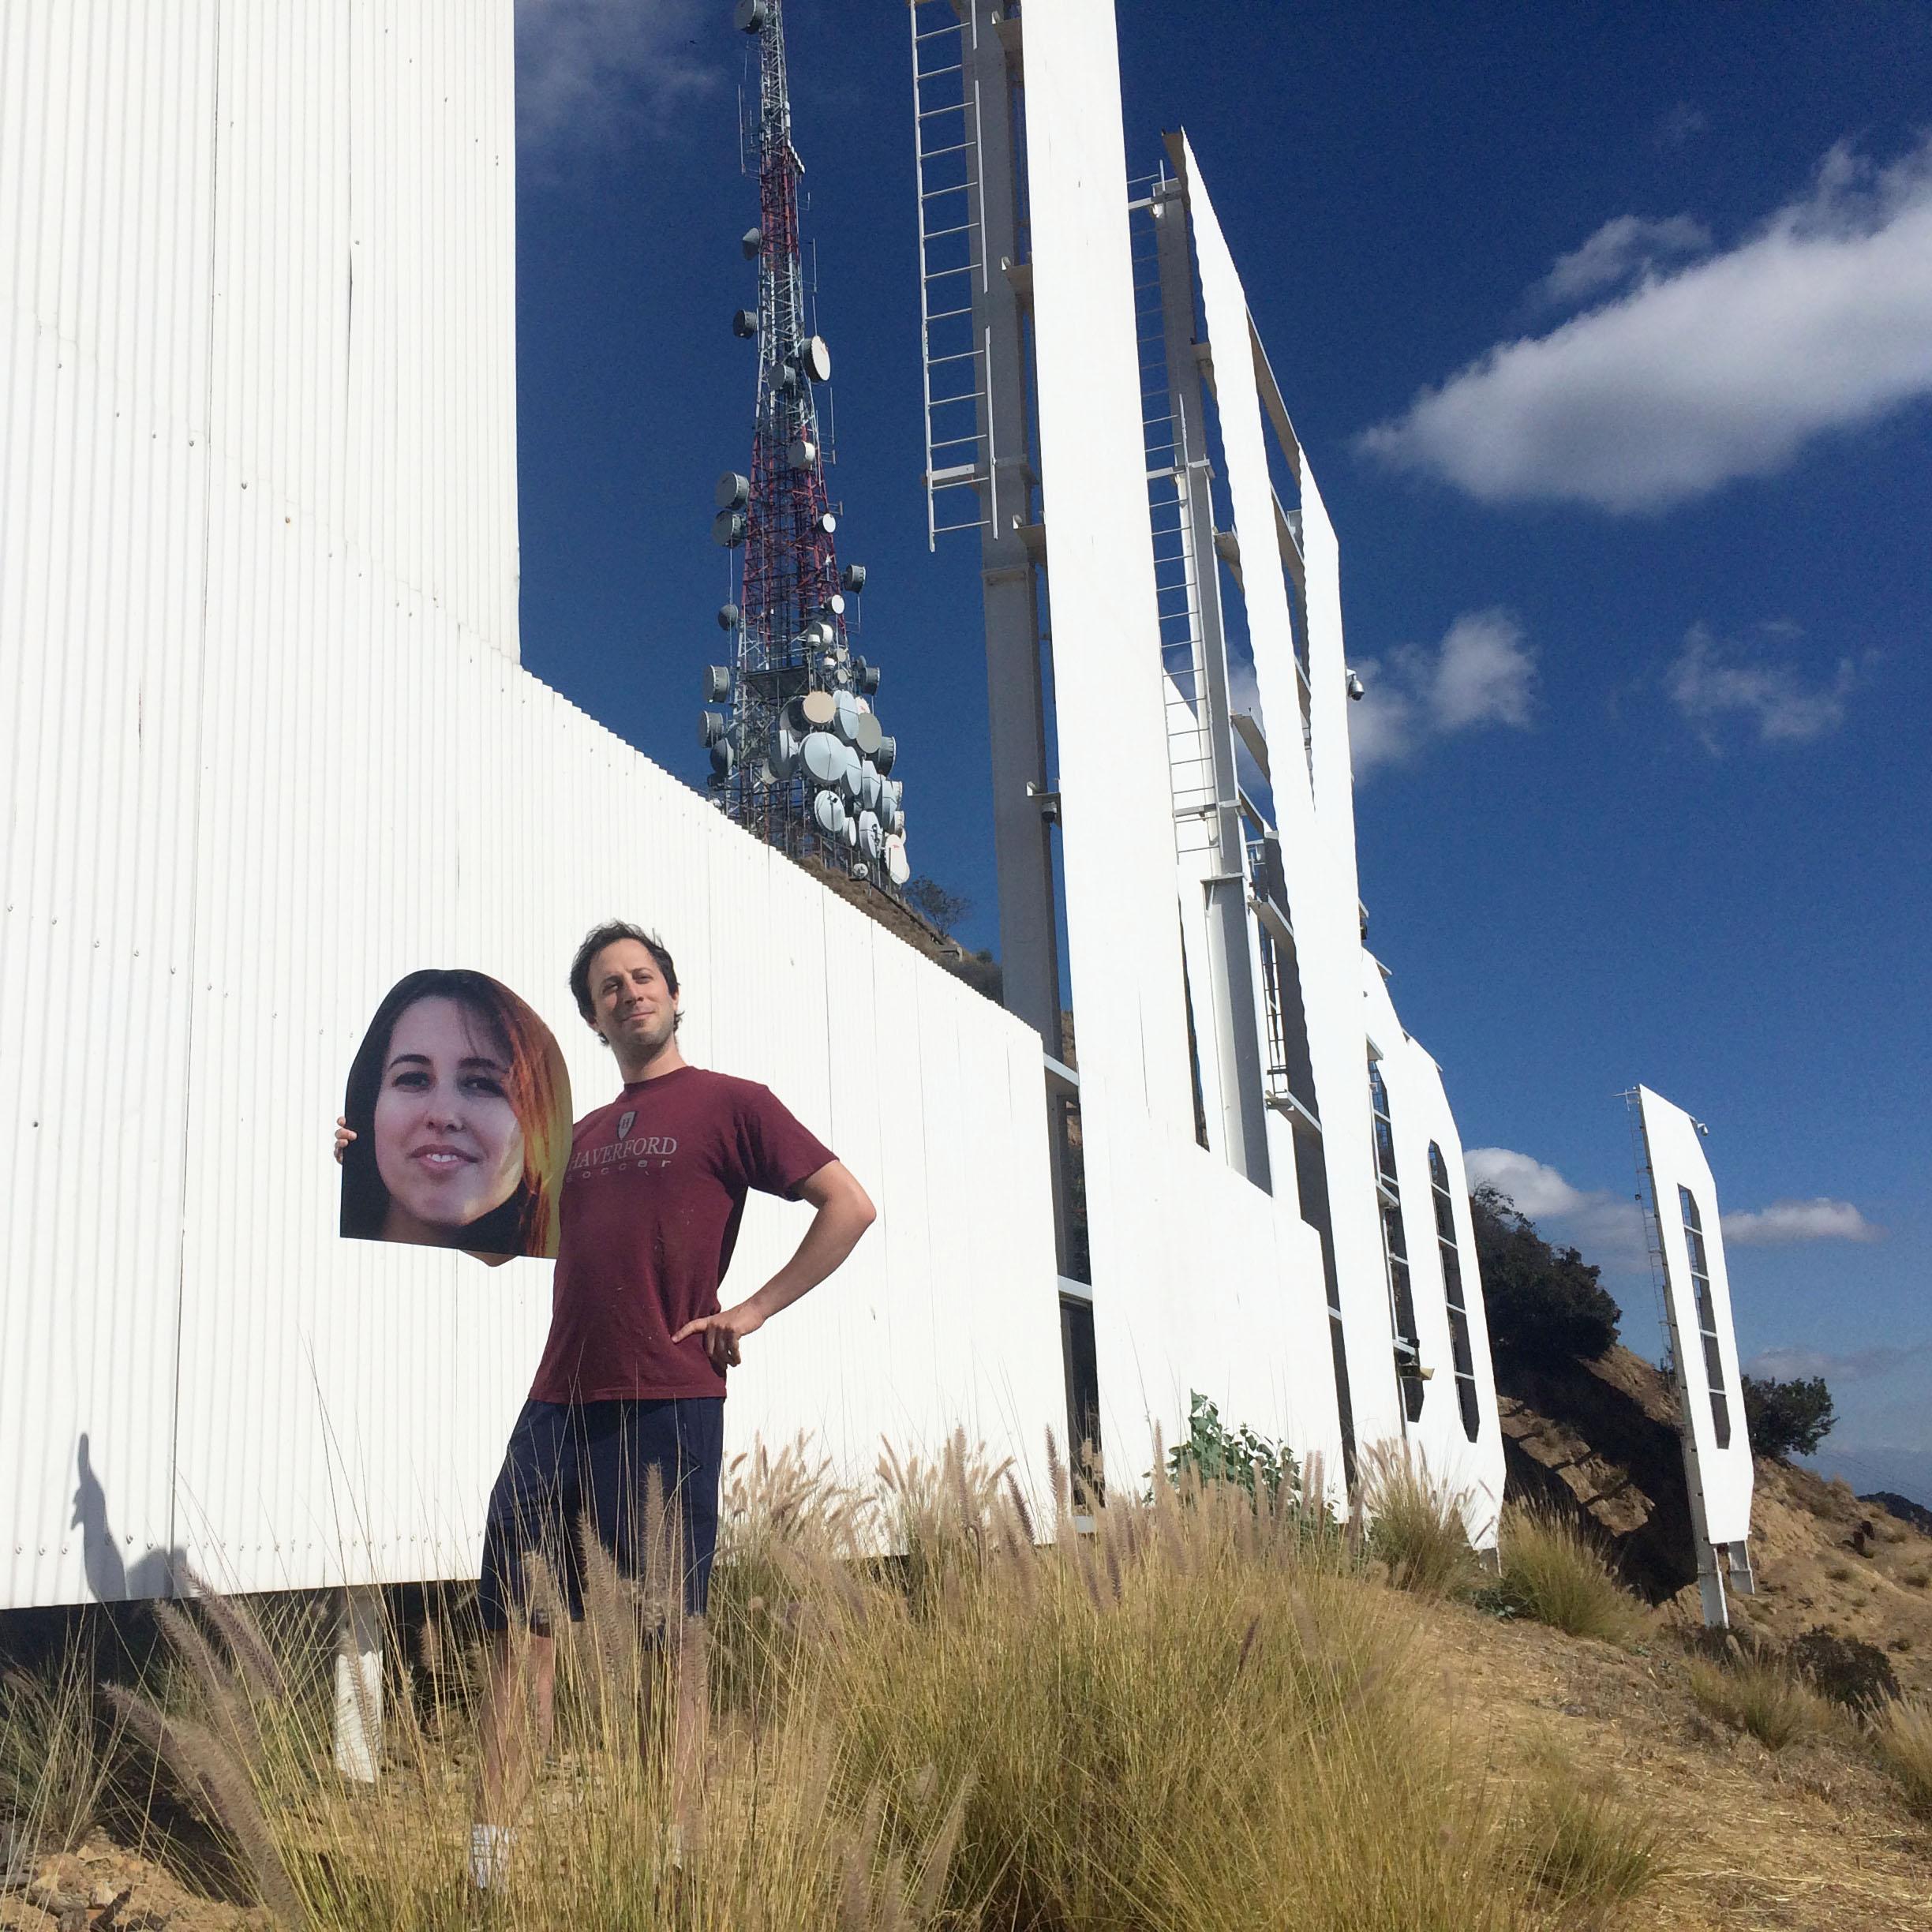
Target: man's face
point(635, 1010)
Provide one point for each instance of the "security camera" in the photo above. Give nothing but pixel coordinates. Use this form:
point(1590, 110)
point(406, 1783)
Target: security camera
point(1702, 1129)
point(1355, 687)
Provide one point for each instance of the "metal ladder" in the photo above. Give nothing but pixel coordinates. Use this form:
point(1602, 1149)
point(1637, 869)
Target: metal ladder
point(955, 358)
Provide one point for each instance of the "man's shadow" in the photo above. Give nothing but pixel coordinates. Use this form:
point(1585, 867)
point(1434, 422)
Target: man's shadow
point(111, 1579)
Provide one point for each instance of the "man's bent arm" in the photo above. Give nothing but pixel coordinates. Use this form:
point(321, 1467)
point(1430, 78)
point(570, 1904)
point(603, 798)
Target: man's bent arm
point(845, 1212)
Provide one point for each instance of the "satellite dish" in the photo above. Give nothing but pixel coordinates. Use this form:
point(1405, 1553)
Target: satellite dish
point(869, 783)
point(887, 754)
point(897, 869)
point(815, 359)
point(733, 491)
point(828, 522)
point(728, 528)
point(710, 727)
point(852, 830)
point(783, 757)
point(752, 240)
point(823, 758)
point(829, 813)
point(750, 16)
point(871, 735)
point(846, 716)
point(723, 758)
point(802, 453)
point(871, 840)
point(853, 578)
point(836, 603)
point(869, 678)
point(818, 707)
point(728, 616)
point(717, 683)
point(744, 323)
point(765, 775)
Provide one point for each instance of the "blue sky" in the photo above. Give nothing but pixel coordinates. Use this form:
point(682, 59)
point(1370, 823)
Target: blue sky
point(1609, 333)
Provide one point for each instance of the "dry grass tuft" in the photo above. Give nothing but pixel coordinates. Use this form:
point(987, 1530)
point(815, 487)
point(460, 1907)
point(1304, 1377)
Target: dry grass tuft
point(1902, 1733)
point(1416, 1525)
point(1776, 1708)
point(1191, 1711)
point(1581, 1840)
point(1553, 1571)
point(57, 1751)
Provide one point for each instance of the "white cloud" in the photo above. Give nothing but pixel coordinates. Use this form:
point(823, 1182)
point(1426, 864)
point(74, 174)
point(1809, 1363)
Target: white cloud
point(1604, 1227)
point(1679, 124)
point(1482, 673)
point(1788, 1364)
point(1534, 1188)
point(588, 70)
point(1630, 246)
point(1785, 1223)
point(1820, 320)
point(1711, 680)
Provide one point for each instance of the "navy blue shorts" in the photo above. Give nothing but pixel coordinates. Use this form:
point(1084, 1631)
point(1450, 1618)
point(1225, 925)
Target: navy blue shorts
point(567, 1461)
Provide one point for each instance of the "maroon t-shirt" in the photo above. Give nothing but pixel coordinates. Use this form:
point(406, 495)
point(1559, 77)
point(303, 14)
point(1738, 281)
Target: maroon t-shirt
point(652, 1200)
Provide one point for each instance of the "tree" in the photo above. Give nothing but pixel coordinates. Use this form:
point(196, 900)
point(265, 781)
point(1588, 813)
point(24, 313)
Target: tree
point(1545, 1304)
point(1786, 1418)
point(927, 896)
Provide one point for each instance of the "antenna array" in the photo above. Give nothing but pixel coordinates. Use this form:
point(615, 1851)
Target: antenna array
point(798, 754)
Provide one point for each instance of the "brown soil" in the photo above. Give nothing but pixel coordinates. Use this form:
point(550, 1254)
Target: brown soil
point(1813, 1837)
point(1825, 1561)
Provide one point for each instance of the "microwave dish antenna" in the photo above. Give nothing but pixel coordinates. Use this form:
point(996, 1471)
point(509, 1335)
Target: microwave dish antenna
point(796, 758)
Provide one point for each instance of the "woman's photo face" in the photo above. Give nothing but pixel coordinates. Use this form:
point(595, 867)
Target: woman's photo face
point(448, 1146)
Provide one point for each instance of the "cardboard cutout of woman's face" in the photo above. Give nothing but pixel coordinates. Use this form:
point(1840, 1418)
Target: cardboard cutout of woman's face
point(467, 1126)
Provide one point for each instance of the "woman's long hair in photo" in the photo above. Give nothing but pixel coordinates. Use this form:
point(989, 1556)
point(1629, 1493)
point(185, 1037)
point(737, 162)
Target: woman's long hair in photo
point(526, 1224)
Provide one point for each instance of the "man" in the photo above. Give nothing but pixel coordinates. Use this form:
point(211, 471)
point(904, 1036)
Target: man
point(632, 1377)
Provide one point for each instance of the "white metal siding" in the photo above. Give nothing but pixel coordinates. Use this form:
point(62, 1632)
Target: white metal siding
point(1725, 1477)
point(1201, 1281)
point(266, 748)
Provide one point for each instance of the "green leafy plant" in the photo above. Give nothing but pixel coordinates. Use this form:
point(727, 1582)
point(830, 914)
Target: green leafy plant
point(1213, 1453)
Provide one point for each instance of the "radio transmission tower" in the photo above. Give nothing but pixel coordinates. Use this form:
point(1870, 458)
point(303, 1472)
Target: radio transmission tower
point(797, 753)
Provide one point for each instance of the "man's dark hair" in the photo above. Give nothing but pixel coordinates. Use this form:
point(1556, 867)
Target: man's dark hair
point(608, 933)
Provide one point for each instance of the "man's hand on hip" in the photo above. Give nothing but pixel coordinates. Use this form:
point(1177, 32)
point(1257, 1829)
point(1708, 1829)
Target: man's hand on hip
point(722, 1333)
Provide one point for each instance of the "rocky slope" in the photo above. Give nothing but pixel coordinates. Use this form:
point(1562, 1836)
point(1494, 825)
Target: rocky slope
point(1600, 1437)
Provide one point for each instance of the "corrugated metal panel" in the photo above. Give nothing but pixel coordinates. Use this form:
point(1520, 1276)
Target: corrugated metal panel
point(268, 749)
point(107, 136)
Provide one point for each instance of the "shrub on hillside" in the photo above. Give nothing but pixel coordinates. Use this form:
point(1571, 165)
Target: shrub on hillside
point(1546, 1305)
point(1857, 1675)
point(1786, 1418)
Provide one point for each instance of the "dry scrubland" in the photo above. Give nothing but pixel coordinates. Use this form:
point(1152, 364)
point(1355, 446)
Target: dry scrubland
point(1197, 1710)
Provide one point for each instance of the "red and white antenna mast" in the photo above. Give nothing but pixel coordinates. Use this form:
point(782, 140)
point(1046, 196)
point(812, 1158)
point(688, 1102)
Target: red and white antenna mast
point(798, 755)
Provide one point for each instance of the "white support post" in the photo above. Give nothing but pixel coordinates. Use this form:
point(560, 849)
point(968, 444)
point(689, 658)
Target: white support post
point(359, 1685)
